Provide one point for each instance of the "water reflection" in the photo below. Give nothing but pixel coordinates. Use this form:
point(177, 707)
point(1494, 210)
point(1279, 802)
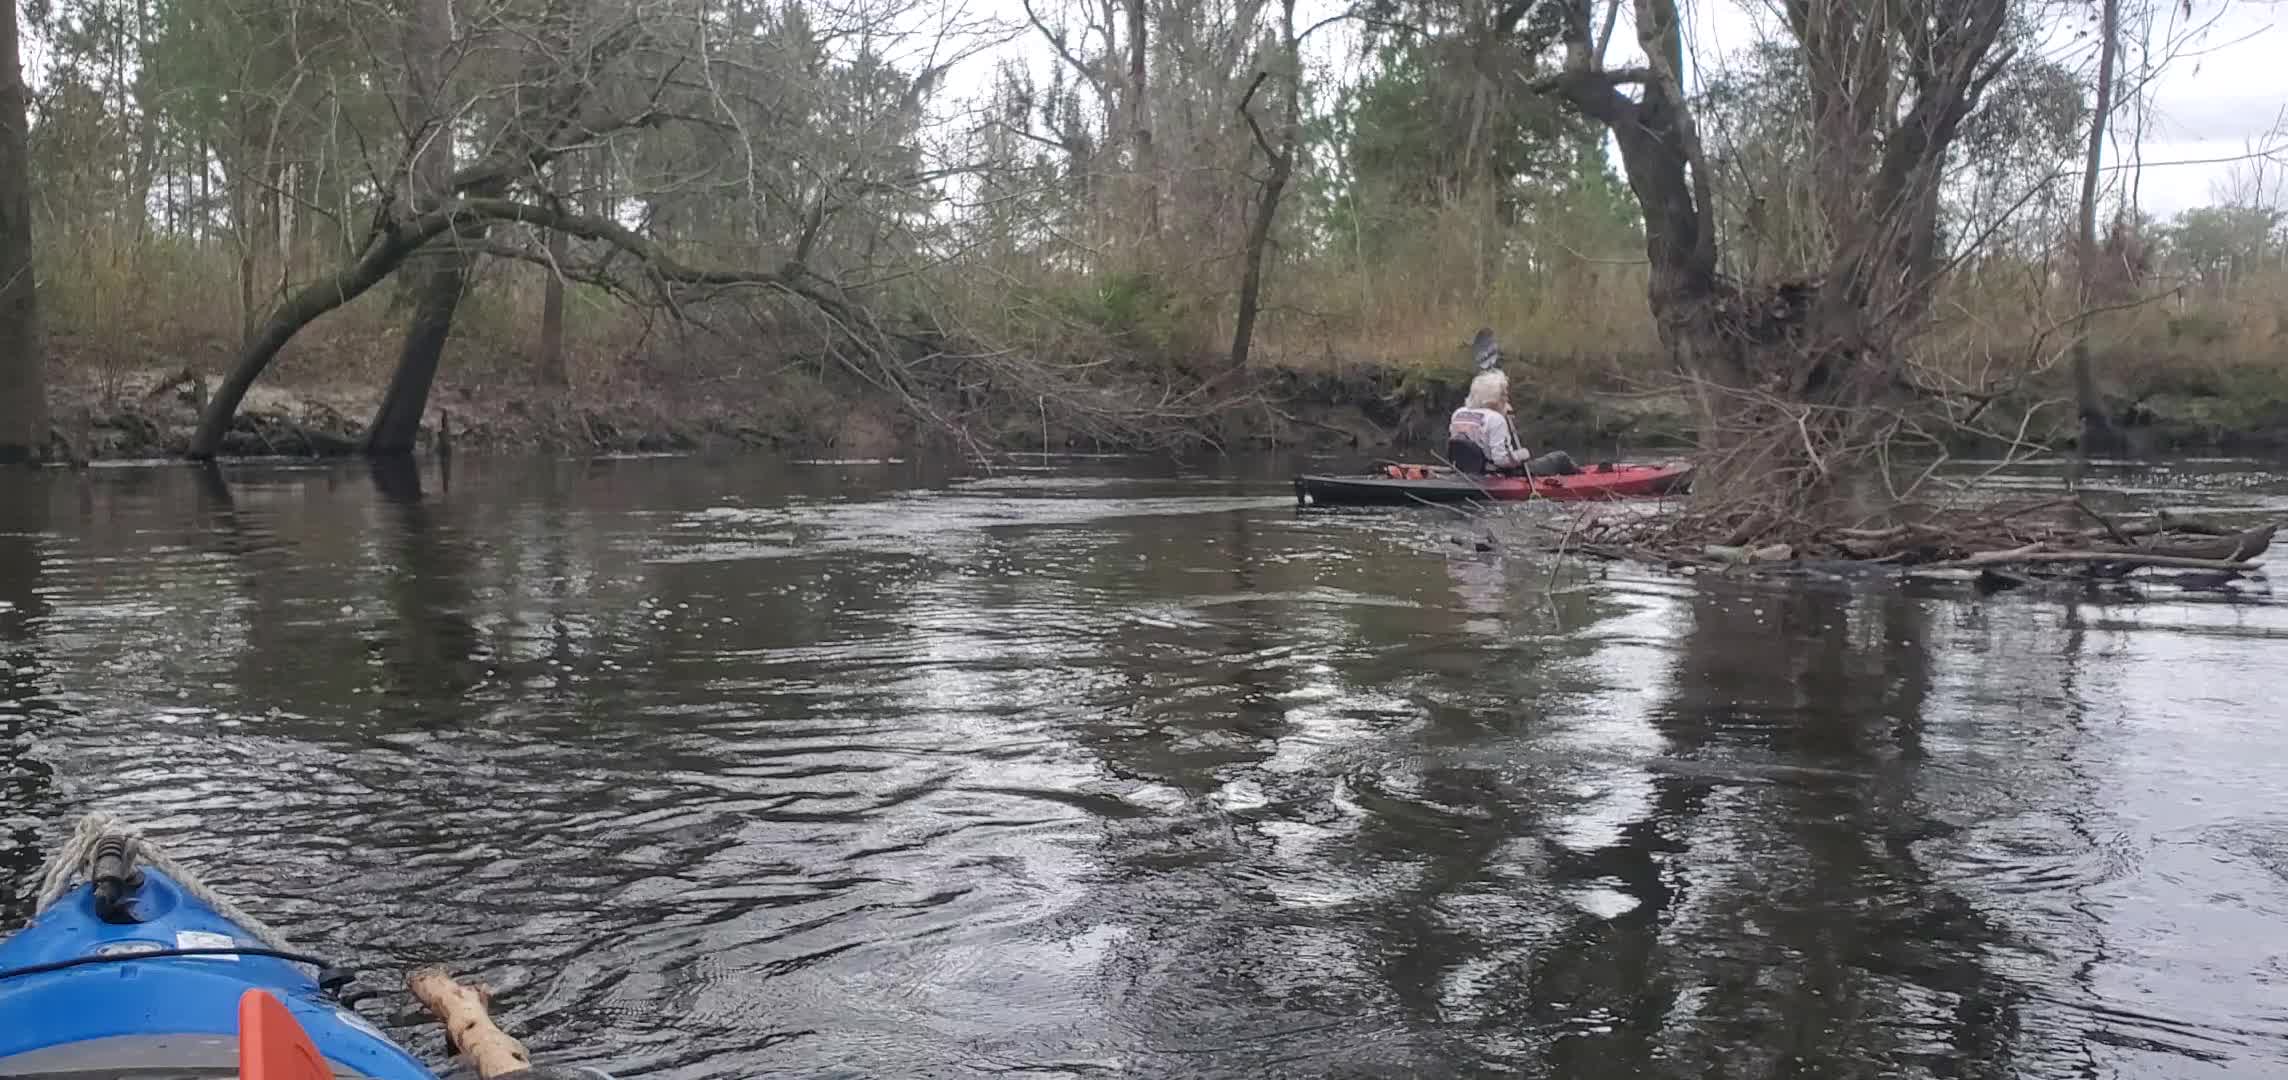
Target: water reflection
point(428, 650)
point(1795, 923)
point(850, 770)
point(24, 708)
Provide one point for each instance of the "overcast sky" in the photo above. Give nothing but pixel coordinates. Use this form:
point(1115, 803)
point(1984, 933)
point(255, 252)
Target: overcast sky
point(2218, 100)
point(2223, 92)
point(2221, 95)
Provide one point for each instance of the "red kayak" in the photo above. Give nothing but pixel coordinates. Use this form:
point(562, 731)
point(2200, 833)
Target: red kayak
point(1402, 484)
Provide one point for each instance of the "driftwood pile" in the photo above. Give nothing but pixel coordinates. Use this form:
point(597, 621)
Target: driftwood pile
point(2062, 537)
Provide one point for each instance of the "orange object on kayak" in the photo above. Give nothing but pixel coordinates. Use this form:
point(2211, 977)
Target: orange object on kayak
point(272, 1044)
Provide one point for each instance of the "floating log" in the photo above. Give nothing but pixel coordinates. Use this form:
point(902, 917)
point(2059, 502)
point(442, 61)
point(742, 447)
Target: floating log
point(469, 1027)
point(1988, 558)
point(2163, 522)
point(2239, 547)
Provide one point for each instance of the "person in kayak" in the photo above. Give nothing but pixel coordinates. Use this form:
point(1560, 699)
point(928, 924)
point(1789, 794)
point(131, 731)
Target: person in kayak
point(1480, 439)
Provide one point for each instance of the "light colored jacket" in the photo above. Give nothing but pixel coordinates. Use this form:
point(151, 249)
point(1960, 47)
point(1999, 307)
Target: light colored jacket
point(1489, 430)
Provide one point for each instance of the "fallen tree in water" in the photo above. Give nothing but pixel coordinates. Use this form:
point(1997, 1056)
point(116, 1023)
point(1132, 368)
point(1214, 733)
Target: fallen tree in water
point(2011, 545)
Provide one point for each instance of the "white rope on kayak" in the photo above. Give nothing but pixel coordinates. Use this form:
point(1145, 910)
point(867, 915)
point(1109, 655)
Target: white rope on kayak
point(76, 859)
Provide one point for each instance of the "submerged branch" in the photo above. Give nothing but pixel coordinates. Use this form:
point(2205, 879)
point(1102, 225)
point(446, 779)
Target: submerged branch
point(2012, 538)
point(2032, 554)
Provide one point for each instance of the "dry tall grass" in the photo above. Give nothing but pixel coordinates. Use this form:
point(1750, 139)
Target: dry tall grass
point(118, 305)
point(123, 304)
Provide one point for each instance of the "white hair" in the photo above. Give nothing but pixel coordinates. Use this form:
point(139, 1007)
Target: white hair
point(1489, 390)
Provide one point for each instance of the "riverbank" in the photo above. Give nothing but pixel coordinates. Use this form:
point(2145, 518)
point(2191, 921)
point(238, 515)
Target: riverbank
point(152, 413)
point(147, 410)
point(141, 410)
point(1370, 359)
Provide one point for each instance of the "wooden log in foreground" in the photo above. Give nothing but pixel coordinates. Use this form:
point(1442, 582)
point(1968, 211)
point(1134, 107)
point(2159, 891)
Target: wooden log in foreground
point(469, 1027)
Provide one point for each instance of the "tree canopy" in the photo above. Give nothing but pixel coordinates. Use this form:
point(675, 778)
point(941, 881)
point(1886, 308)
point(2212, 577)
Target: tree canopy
point(888, 192)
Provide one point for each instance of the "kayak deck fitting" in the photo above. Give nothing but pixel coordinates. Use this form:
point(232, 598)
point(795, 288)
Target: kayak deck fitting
point(140, 970)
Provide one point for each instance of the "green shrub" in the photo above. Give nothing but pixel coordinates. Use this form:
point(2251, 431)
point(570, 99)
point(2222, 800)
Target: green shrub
point(1139, 311)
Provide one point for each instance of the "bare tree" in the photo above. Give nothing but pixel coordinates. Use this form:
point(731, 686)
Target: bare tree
point(2260, 181)
point(1799, 381)
point(802, 175)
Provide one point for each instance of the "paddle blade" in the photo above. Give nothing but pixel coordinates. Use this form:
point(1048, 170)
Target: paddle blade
point(1484, 350)
point(272, 1045)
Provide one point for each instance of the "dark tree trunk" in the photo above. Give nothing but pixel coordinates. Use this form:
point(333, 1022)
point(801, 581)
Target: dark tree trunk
point(441, 280)
point(1274, 186)
point(1796, 381)
point(1258, 245)
point(23, 363)
point(1140, 118)
point(444, 273)
point(2097, 432)
point(551, 368)
point(381, 258)
point(397, 241)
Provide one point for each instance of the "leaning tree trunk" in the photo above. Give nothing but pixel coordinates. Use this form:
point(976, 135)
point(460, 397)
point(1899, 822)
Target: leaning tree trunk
point(381, 258)
point(1258, 245)
point(444, 273)
point(395, 243)
point(1282, 160)
point(23, 367)
point(441, 280)
point(2097, 432)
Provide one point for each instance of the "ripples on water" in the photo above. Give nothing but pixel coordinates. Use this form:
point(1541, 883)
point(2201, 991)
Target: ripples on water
point(839, 770)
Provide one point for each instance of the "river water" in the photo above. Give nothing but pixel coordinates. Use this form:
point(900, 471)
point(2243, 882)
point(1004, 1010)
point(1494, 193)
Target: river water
point(744, 769)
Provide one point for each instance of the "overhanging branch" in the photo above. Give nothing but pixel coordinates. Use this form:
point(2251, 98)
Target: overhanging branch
point(1567, 81)
point(1249, 115)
